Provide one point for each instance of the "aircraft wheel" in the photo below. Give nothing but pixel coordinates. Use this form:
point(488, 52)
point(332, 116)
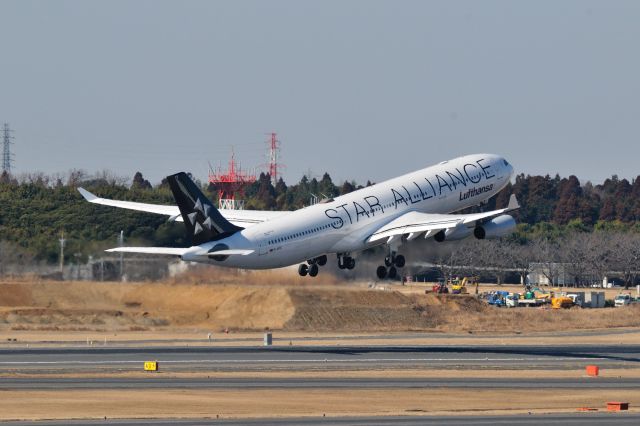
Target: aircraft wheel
point(350, 263)
point(322, 260)
point(392, 272)
point(388, 261)
point(313, 270)
point(381, 272)
point(303, 270)
point(400, 261)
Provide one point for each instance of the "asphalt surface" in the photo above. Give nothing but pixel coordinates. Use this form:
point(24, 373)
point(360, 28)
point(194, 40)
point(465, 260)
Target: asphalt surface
point(283, 358)
point(351, 338)
point(535, 419)
point(301, 357)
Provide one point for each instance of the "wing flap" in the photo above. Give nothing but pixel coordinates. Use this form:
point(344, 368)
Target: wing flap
point(415, 223)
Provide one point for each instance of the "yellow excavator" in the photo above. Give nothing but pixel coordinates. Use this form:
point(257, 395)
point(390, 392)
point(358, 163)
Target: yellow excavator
point(559, 302)
point(459, 286)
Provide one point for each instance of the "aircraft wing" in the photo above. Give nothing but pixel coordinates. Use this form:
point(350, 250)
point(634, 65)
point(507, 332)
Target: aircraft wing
point(172, 211)
point(242, 218)
point(415, 223)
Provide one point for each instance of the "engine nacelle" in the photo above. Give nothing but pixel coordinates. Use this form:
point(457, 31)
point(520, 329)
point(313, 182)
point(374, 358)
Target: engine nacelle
point(496, 227)
point(452, 234)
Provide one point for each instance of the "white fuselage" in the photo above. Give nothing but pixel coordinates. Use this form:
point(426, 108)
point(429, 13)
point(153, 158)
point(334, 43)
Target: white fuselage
point(343, 225)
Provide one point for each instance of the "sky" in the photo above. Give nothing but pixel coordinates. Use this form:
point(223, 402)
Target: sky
point(359, 89)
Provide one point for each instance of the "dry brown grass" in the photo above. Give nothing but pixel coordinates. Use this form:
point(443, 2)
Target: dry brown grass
point(204, 274)
point(486, 318)
point(283, 403)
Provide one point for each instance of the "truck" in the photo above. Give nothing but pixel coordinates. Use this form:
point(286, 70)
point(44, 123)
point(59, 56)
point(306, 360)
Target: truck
point(578, 298)
point(512, 300)
point(497, 298)
point(524, 302)
point(623, 300)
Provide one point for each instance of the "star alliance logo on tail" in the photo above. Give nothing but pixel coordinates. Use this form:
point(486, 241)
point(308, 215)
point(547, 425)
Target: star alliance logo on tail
point(200, 220)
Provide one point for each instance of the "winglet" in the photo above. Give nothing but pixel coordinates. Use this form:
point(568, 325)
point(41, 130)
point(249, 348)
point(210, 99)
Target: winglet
point(87, 195)
point(513, 203)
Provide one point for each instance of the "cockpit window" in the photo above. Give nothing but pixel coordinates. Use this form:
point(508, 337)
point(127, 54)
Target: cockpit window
point(505, 162)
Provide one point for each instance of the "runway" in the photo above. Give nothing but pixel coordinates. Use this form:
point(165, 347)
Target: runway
point(539, 419)
point(301, 357)
point(54, 370)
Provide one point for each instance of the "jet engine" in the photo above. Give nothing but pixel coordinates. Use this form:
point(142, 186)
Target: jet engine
point(495, 228)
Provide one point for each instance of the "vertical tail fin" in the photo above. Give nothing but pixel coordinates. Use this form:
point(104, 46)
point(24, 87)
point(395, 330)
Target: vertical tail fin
point(203, 221)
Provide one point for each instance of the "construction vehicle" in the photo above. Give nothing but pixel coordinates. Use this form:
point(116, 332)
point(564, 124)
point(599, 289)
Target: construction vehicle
point(441, 287)
point(561, 302)
point(497, 298)
point(459, 286)
point(542, 294)
point(530, 298)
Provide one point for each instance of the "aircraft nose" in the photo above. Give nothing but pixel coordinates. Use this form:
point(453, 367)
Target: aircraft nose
point(508, 168)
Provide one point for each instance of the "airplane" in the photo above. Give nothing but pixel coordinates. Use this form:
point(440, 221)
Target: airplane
point(421, 203)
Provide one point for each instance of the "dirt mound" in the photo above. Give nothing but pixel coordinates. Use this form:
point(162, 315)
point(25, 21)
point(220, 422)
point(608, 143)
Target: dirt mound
point(353, 310)
point(141, 306)
point(79, 306)
point(86, 305)
point(15, 295)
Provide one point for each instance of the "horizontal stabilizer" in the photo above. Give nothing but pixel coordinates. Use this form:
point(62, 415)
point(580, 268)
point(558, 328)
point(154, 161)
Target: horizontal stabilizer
point(174, 251)
point(180, 251)
point(231, 252)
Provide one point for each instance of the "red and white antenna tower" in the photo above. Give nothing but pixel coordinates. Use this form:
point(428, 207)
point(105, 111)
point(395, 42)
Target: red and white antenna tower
point(230, 183)
point(274, 154)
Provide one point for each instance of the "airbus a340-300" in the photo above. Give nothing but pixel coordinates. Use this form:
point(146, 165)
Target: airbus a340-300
point(418, 204)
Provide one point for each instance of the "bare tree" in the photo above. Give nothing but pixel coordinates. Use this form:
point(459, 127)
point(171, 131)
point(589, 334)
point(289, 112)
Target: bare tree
point(498, 257)
point(574, 253)
point(626, 256)
point(546, 252)
point(521, 256)
point(76, 177)
point(600, 253)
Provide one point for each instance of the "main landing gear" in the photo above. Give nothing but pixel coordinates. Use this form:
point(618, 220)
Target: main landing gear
point(345, 261)
point(313, 266)
point(391, 262)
